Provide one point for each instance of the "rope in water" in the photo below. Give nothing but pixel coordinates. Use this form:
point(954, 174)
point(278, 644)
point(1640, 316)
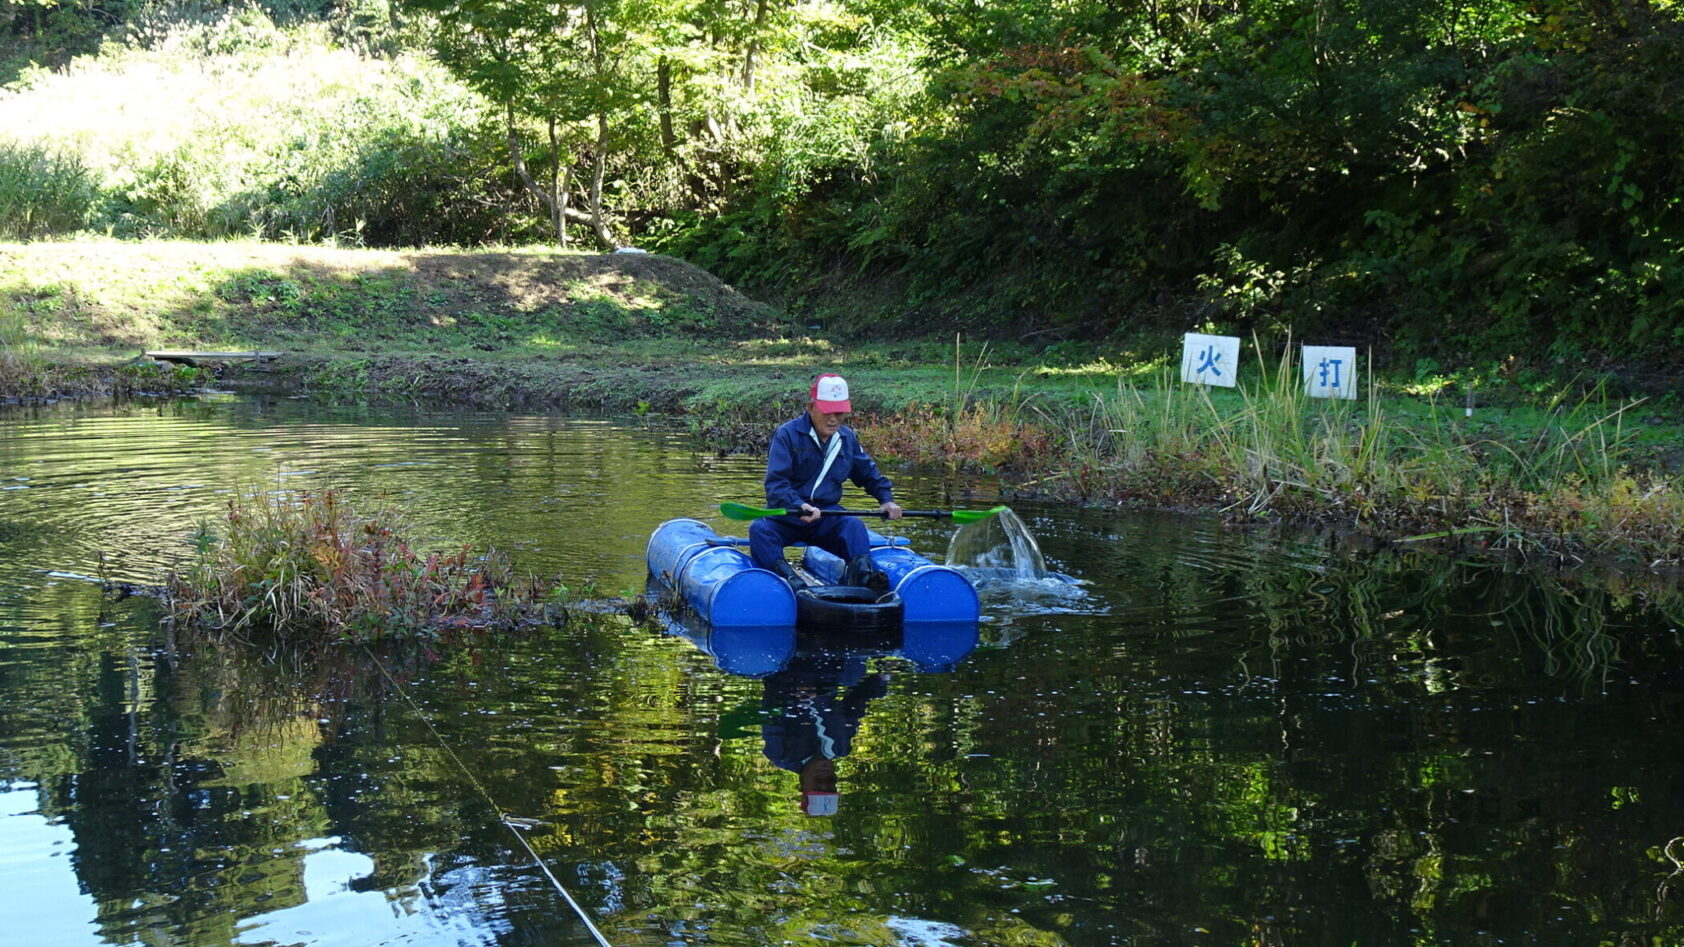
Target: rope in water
point(501, 817)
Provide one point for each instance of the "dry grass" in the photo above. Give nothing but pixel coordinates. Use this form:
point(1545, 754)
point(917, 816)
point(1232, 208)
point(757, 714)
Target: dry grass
point(310, 568)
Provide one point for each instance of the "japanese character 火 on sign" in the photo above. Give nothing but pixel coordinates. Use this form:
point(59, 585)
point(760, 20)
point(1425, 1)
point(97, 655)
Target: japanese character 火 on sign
point(1210, 359)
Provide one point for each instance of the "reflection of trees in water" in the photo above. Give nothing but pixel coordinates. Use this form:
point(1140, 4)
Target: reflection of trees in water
point(1568, 625)
point(183, 772)
point(1468, 815)
point(1394, 768)
point(1278, 594)
point(1276, 740)
point(193, 782)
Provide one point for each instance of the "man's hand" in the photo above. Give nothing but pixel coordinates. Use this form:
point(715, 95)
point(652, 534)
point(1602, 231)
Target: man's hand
point(809, 513)
point(891, 509)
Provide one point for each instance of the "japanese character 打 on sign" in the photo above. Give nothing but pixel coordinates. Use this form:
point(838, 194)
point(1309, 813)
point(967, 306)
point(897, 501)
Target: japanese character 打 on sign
point(1330, 371)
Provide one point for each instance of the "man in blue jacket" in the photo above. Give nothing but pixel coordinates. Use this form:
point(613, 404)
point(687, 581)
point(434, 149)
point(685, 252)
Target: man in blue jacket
point(810, 458)
point(811, 711)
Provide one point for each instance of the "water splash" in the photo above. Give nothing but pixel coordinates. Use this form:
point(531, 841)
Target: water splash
point(1000, 543)
point(1001, 558)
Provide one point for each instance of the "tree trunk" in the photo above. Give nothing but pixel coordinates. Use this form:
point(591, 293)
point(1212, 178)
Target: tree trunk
point(598, 221)
point(663, 102)
point(753, 45)
point(550, 201)
point(558, 189)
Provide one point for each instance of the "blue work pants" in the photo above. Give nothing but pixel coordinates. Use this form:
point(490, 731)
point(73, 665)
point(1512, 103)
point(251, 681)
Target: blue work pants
point(843, 536)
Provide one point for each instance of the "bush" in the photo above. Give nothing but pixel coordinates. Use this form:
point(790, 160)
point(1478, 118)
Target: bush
point(272, 133)
point(43, 191)
point(309, 568)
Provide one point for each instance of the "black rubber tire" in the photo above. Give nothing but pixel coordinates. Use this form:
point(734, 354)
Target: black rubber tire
point(847, 607)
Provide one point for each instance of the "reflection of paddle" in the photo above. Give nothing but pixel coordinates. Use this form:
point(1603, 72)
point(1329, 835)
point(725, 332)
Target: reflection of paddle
point(737, 511)
point(743, 721)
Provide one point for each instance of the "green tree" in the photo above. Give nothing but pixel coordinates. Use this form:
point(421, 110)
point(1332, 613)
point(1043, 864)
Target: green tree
point(572, 67)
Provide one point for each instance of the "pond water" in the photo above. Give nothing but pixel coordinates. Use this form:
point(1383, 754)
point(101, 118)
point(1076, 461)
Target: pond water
point(1226, 737)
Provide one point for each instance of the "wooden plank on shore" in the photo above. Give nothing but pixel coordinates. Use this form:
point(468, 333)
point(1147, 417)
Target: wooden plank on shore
point(193, 358)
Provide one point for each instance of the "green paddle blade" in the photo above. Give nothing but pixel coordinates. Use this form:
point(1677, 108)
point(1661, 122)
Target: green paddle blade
point(744, 513)
point(976, 516)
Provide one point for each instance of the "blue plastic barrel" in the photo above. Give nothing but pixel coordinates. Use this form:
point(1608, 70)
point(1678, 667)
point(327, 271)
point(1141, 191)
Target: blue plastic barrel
point(932, 593)
point(747, 650)
point(719, 582)
point(938, 646)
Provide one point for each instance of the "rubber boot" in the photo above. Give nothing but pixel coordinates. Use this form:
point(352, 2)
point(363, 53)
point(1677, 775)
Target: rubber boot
point(863, 572)
point(784, 569)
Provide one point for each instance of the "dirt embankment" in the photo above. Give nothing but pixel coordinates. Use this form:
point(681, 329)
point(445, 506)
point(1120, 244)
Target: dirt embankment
point(478, 383)
point(479, 328)
point(119, 295)
point(562, 284)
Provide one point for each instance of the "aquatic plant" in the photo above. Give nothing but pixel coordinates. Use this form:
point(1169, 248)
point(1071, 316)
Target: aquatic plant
point(153, 378)
point(310, 566)
point(986, 436)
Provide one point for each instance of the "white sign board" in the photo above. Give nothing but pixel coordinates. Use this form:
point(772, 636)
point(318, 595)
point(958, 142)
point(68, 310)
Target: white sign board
point(1210, 359)
point(1330, 371)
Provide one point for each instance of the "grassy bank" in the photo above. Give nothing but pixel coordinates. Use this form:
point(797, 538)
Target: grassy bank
point(1541, 466)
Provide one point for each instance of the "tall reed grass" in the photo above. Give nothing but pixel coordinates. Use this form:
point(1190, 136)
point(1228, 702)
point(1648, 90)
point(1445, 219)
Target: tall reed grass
point(310, 568)
point(1268, 446)
point(44, 191)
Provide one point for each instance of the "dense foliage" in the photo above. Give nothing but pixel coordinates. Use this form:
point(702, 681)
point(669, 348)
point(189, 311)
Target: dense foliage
point(1449, 180)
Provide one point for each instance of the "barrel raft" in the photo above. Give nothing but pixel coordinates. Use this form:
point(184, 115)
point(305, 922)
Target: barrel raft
point(715, 578)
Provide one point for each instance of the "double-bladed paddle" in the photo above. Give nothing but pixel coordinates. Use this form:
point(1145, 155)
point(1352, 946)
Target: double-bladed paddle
point(739, 511)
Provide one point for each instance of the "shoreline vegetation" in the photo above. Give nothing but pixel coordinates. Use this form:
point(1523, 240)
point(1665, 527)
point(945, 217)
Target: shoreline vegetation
point(998, 227)
point(1563, 470)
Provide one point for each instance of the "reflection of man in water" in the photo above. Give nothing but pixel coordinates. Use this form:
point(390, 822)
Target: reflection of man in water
point(811, 723)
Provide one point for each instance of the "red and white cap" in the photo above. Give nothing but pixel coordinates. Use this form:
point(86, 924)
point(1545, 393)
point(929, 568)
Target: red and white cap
point(819, 803)
point(830, 393)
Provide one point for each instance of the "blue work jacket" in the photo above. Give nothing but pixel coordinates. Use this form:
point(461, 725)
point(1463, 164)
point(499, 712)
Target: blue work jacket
point(808, 715)
point(795, 459)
